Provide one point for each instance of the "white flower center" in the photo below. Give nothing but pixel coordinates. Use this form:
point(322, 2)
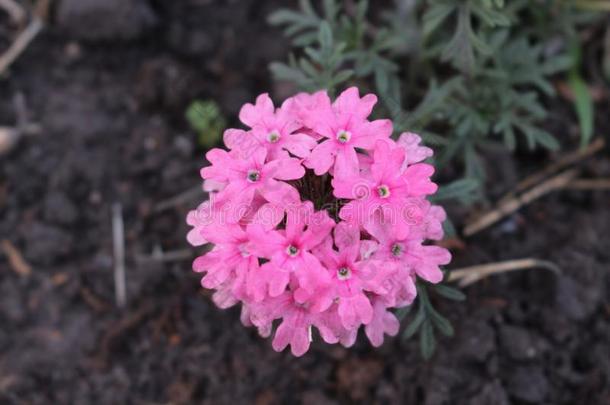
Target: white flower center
point(273, 136)
point(343, 136)
point(243, 250)
point(383, 191)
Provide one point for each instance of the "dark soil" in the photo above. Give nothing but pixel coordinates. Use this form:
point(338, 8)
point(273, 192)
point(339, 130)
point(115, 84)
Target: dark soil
point(108, 82)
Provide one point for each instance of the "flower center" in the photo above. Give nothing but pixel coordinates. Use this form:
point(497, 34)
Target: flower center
point(383, 191)
point(292, 251)
point(273, 136)
point(343, 136)
point(253, 176)
point(301, 305)
point(397, 249)
point(344, 273)
point(243, 250)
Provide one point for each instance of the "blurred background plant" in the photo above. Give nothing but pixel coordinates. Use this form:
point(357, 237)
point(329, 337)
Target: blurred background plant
point(468, 75)
point(207, 121)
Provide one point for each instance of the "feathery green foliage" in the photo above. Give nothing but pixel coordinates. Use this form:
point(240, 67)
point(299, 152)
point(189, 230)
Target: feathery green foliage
point(427, 319)
point(465, 74)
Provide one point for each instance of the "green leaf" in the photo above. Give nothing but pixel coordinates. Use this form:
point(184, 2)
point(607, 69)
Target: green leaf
point(381, 81)
point(308, 67)
point(422, 293)
point(435, 16)
point(325, 36)
point(427, 340)
point(305, 39)
point(479, 44)
point(556, 64)
point(330, 9)
point(474, 165)
point(546, 139)
point(284, 17)
point(401, 313)
point(441, 323)
point(306, 7)
point(281, 71)
point(583, 104)
point(342, 76)
point(431, 138)
point(433, 102)
point(415, 324)
point(505, 127)
point(449, 228)
point(460, 48)
point(361, 9)
point(583, 101)
point(492, 17)
point(449, 292)
point(457, 189)
point(314, 55)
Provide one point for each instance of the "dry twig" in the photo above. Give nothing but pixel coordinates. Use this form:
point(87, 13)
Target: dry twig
point(118, 244)
point(20, 44)
point(39, 16)
point(14, 10)
point(18, 263)
point(589, 184)
point(511, 205)
point(518, 197)
point(554, 167)
point(469, 275)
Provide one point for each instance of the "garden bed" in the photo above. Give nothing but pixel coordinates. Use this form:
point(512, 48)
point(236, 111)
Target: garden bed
point(110, 99)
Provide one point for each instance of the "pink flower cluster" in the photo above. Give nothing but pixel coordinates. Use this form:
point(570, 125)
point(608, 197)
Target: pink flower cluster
point(317, 218)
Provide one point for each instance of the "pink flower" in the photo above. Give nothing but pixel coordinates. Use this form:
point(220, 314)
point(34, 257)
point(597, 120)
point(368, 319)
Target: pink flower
point(247, 176)
point(423, 260)
point(290, 250)
point(382, 322)
point(345, 126)
point(230, 255)
point(431, 227)
point(333, 248)
point(198, 219)
point(387, 187)
point(414, 152)
point(351, 277)
point(297, 323)
point(274, 130)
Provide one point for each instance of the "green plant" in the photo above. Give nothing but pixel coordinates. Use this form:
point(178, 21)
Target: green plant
point(426, 319)
point(207, 120)
point(487, 65)
point(321, 68)
point(461, 44)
